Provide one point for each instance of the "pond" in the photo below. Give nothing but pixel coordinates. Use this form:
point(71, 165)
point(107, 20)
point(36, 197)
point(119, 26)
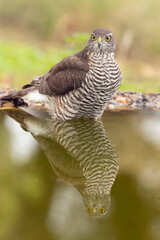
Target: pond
point(81, 179)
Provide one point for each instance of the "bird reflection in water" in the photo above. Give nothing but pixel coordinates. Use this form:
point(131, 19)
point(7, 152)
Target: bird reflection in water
point(80, 154)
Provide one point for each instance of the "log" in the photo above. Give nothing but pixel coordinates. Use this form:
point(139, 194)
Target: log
point(121, 101)
point(128, 101)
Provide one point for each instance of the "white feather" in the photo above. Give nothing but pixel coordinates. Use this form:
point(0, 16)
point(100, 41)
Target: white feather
point(35, 96)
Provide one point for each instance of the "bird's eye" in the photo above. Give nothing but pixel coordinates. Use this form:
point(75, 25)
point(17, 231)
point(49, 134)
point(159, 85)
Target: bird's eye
point(88, 209)
point(93, 37)
point(102, 210)
point(107, 38)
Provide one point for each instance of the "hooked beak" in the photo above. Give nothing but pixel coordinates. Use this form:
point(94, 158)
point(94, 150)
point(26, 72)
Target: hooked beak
point(99, 42)
point(94, 210)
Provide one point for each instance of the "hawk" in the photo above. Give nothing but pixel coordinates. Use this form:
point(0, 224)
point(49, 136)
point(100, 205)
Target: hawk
point(78, 86)
point(80, 154)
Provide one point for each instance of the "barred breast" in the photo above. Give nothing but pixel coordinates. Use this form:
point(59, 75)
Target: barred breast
point(90, 100)
point(87, 142)
point(80, 154)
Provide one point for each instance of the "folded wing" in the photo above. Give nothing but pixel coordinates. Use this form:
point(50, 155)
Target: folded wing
point(65, 76)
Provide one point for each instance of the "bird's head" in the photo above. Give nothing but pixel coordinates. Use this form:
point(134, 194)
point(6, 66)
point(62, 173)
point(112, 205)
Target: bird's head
point(101, 41)
point(97, 205)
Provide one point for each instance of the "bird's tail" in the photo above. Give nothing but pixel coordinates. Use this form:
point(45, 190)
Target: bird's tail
point(15, 98)
point(11, 100)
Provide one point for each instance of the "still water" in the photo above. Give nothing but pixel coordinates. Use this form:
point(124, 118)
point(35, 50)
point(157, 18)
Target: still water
point(80, 179)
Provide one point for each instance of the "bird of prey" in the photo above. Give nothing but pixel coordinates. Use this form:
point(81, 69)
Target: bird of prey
point(80, 154)
point(78, 86)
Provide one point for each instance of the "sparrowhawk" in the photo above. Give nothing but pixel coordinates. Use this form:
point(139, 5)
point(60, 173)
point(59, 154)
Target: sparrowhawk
point(80, 154)
point(78, 86)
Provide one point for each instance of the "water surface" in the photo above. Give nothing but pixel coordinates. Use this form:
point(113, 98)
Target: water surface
point(80, 179)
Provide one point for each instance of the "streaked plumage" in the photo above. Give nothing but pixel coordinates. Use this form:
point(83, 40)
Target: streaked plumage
point(80, 154)
point(79, 85)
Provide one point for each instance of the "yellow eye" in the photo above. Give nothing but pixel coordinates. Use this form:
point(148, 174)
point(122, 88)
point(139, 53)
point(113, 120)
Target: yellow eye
point(107, 38)
point(88, 209)
point(102, 210)
point(93, 37)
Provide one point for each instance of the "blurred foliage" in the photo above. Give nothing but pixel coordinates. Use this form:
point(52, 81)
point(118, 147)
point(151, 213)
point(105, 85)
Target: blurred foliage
point(29, 30)
point(77, 40)
point(54, 19)
point(20, 63)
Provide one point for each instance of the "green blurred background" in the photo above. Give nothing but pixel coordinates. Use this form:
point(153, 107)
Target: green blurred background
point(34, 35)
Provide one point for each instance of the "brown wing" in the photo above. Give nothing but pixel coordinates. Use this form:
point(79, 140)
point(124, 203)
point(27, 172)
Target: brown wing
point(65, 76)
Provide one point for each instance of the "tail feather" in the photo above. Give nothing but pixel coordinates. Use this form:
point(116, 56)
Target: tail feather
point(12, 100)
point(15, 99)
